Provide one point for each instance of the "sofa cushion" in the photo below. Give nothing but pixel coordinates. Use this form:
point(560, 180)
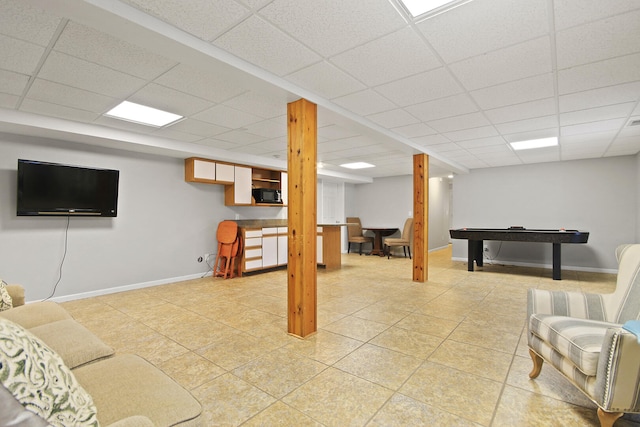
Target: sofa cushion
point(126, 385)
point(73, 342)
point(37, 377)
point(36, 314)
point(579, 340)
point(6, 302)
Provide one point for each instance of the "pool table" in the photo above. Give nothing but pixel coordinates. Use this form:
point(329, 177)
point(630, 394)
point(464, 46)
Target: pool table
point(476, 236)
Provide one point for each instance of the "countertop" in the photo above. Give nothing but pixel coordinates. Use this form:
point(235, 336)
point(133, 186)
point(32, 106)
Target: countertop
point(259, 223)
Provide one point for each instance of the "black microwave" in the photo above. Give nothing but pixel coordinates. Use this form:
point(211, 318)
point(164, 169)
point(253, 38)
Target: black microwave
point(267, 195)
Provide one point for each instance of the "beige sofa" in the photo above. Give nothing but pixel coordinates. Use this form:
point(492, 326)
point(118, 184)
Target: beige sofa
point(116, 390)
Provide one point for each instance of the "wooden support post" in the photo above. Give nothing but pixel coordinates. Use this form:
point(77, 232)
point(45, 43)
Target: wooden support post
point(302, 222)
point(420, 217)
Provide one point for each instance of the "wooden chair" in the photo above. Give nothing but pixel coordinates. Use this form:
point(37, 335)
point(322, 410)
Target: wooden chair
point(354, 228)
point(404, 240)
point(228, 249)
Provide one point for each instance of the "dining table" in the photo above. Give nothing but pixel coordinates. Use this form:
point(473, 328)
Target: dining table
point(379, 233)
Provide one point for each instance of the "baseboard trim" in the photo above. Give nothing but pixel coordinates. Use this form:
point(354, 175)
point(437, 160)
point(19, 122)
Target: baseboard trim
point(547, 266)
point(131, 287)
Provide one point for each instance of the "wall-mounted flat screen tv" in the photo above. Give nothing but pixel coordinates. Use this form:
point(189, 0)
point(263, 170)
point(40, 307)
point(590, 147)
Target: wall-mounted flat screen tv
point(55, 189)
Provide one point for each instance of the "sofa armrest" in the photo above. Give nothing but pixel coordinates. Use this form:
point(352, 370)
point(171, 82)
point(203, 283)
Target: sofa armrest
point(563, 303)
point(17, 294)
point(618, 376)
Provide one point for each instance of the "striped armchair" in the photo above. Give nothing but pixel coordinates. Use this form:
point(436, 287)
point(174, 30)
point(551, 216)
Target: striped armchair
point(581, 335)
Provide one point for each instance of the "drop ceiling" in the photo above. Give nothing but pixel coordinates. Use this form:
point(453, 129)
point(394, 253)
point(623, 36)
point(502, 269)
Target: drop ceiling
point(458, 86)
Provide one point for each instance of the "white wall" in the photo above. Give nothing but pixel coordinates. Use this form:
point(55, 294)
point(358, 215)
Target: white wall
point(163, 224)
point(595, 195)
point(387, 202)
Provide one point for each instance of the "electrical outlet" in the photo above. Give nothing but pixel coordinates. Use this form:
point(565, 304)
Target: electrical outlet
point(199, 259)
point(486, 248)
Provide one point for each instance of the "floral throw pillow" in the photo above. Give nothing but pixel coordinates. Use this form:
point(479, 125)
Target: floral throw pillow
point(39, 380)
point(5, 299)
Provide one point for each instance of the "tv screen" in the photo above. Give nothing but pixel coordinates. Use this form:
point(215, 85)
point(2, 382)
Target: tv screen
point(56, 189)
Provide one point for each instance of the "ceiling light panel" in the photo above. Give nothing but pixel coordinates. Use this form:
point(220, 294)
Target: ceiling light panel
point(535, 143)
point(357, 165)
point(142, 114)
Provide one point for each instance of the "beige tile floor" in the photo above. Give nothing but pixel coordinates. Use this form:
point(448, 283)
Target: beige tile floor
point(388, 351)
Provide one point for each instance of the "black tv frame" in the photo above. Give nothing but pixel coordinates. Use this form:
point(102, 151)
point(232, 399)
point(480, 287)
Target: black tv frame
point(56, 189)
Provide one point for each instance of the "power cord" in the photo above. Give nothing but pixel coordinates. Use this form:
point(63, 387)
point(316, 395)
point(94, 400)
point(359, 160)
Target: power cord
point(64, 256)
point(209, 265)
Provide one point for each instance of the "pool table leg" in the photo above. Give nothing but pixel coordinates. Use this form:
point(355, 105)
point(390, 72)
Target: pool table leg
point(474, 253)
point(557, 274)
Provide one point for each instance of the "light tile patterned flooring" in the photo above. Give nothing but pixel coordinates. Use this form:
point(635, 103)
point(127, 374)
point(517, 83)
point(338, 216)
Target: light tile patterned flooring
point(388, 351)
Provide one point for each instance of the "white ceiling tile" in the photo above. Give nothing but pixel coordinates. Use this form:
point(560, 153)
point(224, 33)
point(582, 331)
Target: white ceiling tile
point(465, 121)
point(429, 140)
point(596, 41)
point(334, 26)
point(200, 83)
point(598, 113)
point(103, 49)
point(54, 110)
point(541, 155)
point(611, 72)
point(54, 93)
point(336, 132)
point(444, 107)
point(124, 125)
point(474, 133)
point(197, 127)
point(393, 118)
point(269, 128)
point(13, 83)
point(629, 147)
point(527, 125)
point(414, 130)
point(21, 20)
point(227, 117)
point(518, 92)
point(599, 97)
point(515, 62)
point(326, 80)
point(216, 143)
point(630, 131)
point(392, 57)
point(575, 12)
point(202, 18)
point(240, 137)
point(18, 55)
point(526, 110)
point(164, 98)
point(600, 126)
point(421, 87)
point(173, 133)
point(8, 101)
point(484, 25)
point(344, 144)
point(482, 143)
point(487, 150)
point(591, 138)
point(74, 72)
point(444, 148)
point(262, 105)
point(274, 50)
point(365, 102)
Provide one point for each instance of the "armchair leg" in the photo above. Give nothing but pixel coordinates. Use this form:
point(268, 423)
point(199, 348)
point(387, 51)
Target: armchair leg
point(537, 364)
point(409, 250)
point(608, 418)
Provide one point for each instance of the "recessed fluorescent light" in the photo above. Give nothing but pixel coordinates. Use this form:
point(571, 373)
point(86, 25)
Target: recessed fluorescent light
point(142, 114)
point(357, 165)
point(420, 7)
point(535, 143)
